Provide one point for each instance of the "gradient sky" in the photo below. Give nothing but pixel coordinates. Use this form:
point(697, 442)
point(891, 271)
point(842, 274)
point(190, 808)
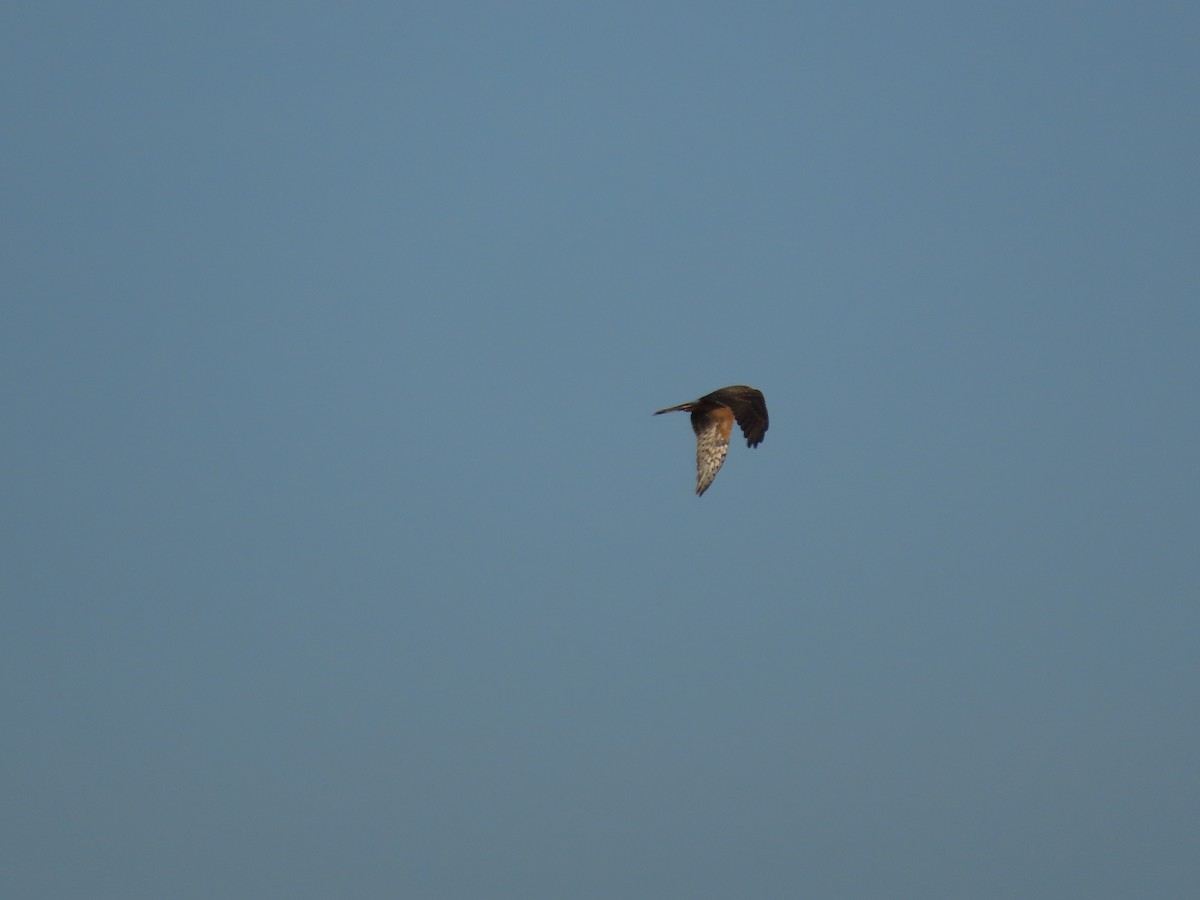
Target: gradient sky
point(343, 558)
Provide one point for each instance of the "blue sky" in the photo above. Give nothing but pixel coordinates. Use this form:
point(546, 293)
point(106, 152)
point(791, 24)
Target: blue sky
point(342, 556)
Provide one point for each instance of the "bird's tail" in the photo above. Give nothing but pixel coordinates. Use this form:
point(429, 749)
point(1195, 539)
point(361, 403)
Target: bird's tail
point(682, 407)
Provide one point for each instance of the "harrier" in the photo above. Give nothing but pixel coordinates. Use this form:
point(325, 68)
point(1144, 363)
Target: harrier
point(712, 420)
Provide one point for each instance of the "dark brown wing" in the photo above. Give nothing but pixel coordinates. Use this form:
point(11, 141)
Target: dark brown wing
point(749, 408)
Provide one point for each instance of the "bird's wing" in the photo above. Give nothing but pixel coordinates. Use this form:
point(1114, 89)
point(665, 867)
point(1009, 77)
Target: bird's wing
point(712, 443)
point(750, 408)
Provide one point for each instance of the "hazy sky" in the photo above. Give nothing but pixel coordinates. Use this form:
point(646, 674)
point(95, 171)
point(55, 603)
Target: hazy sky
point(343, 558)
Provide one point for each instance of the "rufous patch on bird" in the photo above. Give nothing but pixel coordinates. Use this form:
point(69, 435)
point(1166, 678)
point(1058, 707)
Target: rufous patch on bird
point(723, 416)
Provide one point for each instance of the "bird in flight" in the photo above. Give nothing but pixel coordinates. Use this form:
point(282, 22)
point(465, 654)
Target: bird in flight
point(713, 416)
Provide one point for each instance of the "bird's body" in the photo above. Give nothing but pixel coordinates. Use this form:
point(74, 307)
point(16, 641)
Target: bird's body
point(713, 416)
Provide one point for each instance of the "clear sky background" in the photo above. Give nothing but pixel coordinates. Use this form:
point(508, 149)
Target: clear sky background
point(343, 558)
